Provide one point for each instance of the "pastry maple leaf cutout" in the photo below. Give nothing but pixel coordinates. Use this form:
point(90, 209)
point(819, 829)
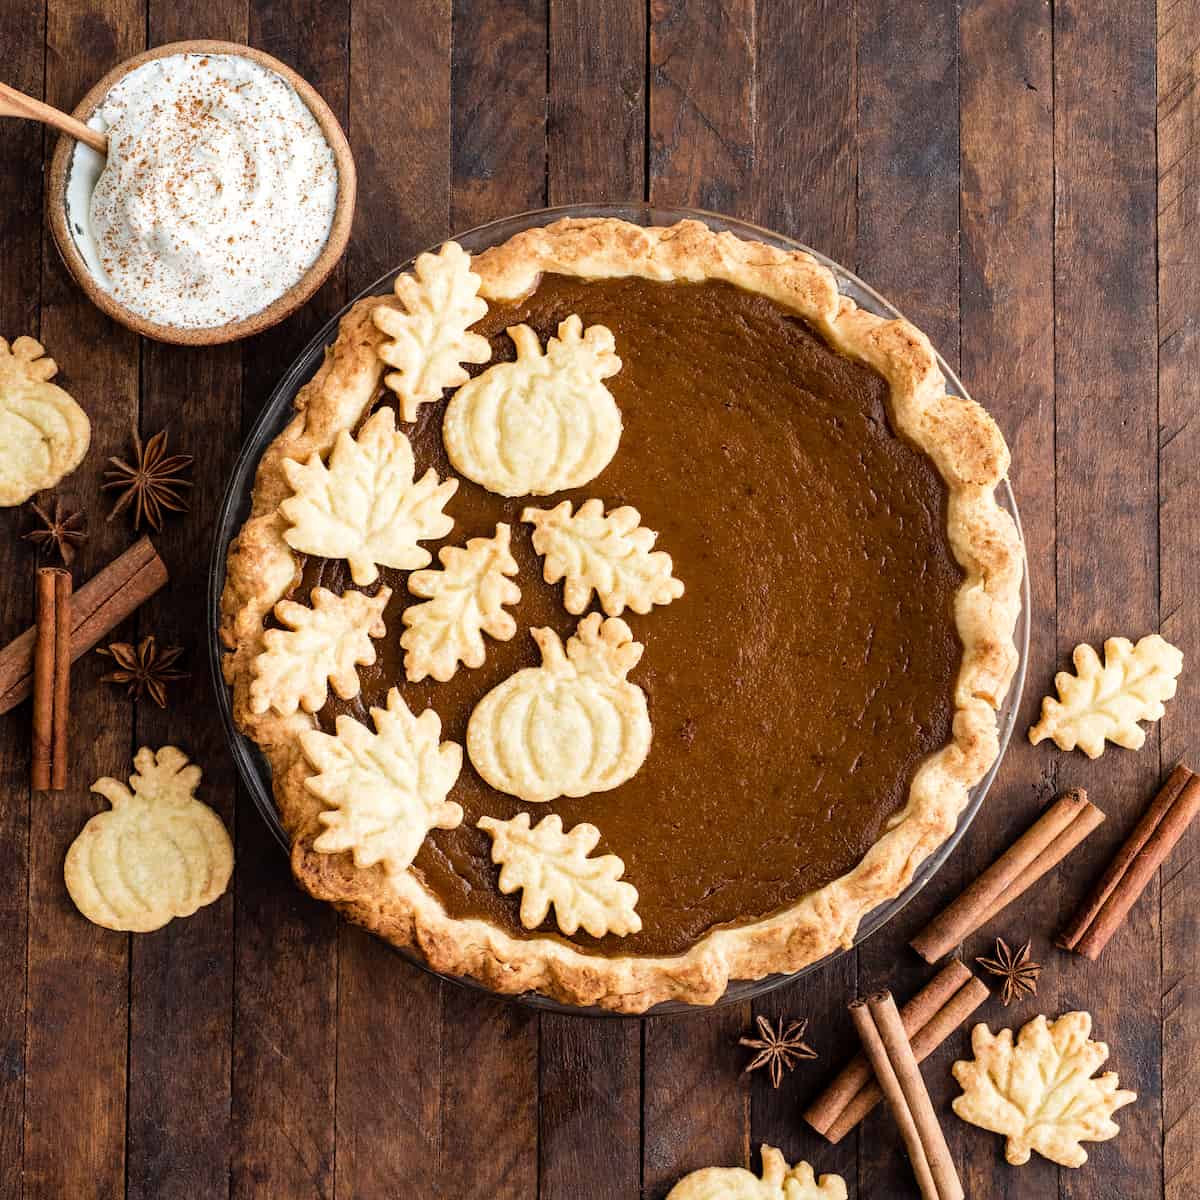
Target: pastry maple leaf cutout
point(159, 853)
point(431, 337)
point(612, 555)
point(385, 790)
point(321, 646)
point(573, 726)
point(551, 867)
point(1108, 701)
point(543, 423)
point(465, 600)
point(1040, 1092)
point(778, 1182)
point(365, 506)
point(43, 432)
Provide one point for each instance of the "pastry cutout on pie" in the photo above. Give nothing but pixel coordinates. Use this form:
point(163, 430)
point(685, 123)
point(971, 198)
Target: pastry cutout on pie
point(43, 432)
point(551, 867)
point(571, 727)
point(432, 337)
point(465, 599)
point(1040, 1093)
point(321, 646)
point(159, 853)
point(384, 790)
point(365, 506)
point(1106, 701)
point(543, 423)
point(611, 555)
point(778, 1182)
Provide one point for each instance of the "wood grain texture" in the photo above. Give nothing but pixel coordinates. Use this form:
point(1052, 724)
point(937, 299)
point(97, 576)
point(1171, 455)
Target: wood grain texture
point(1107, 550)
point(1179, 533)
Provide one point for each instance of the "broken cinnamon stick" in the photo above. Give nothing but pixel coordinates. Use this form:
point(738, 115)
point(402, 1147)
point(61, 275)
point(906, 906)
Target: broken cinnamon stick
point(1153, 838)
point(1050, 839)
point(891, 1057)
point(96, 610)
point(51, 679)
point(929, 1018)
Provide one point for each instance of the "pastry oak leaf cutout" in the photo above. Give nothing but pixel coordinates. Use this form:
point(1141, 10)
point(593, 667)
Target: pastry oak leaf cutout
point(366, 506)
point(384, 791)
point(431, 338)
point(777, 1182)
point(571, 727)
point(159, 853)
point(1106, 701)
point(1040, 1092)
point(611, 555)
point(43, 431)
point(551, 867)
point(543, 423)
point(464, 599)
point(321, 646)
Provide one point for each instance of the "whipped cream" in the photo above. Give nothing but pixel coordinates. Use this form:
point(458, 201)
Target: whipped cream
point(217, 195)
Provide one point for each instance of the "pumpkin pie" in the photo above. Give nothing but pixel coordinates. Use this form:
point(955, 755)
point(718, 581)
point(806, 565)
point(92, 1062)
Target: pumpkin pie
point(623, 611)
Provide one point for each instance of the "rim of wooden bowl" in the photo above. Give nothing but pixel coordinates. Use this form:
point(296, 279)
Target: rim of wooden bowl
point(277, 310)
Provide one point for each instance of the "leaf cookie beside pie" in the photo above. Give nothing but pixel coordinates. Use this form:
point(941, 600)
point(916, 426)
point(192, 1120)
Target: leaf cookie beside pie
point(709, 584)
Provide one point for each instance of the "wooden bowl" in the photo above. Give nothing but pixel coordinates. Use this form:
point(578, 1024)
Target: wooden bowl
point(296, 295)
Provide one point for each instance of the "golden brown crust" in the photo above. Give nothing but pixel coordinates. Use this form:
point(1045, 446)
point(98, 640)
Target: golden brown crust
point(957, 434)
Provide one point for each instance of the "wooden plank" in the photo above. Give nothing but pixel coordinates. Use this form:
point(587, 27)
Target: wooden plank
point(78, 973)
point(498, 160)
point(22, 38)
point(907, 247)
point(1106, 452)
point(284, 1054)
point(1179, 534)
point(1007, 134)
point(597, 105)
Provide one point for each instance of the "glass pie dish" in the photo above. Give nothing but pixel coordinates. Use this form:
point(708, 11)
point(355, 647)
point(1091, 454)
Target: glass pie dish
point(278, 411)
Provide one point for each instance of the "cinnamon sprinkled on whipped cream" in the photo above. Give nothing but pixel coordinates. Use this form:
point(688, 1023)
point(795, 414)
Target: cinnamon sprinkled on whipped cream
point(218, 192)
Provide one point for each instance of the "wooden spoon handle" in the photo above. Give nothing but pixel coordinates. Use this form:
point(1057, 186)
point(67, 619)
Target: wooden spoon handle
point(17, 104)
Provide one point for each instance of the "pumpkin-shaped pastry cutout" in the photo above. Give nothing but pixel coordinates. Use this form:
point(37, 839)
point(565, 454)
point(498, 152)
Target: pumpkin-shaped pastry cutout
point(571, 727)
point(160, 853)
point(543, 423)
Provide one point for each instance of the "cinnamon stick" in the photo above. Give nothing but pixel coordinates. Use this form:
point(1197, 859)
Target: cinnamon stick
point(62, 680)
point(929, 1018)
point(96, 609)
point(1051, 837)
point(43, 680)
point(890, 1054)
point(1153, 838)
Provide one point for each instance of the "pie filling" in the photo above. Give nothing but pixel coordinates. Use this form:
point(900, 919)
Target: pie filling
point(806, 672)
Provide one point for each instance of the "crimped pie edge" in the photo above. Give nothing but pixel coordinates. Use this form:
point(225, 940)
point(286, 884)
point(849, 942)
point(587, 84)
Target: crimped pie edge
point(958, 435)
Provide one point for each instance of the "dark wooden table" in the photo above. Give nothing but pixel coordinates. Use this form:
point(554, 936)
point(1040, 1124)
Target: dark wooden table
point(1023, 181)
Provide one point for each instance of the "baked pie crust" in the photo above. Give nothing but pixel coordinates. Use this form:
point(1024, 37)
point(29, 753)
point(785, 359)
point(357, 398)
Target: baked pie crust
point(956, 434)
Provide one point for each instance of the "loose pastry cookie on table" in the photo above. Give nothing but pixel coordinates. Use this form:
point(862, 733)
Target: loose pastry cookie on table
point(723, 442)
point(777, 1182)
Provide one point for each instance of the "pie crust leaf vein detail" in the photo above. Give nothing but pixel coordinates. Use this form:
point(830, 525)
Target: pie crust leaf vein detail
point(385, 790)
point(159, 853)
point(611, 555)
point(1107, 700)
point(365, 506)
point(778, 1182)
point(1040, 1092)
point(431, 337)
point(44, 432)
point(323, 645)
point(543, 423)
point(571, 727)
point(550, 867)
point(465, 600)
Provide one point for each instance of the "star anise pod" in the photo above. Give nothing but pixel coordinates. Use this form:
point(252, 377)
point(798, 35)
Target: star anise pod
point(1018, 975)
point(144, 669)
point(779, 1049)
point(60, 531)
point(151, 482)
